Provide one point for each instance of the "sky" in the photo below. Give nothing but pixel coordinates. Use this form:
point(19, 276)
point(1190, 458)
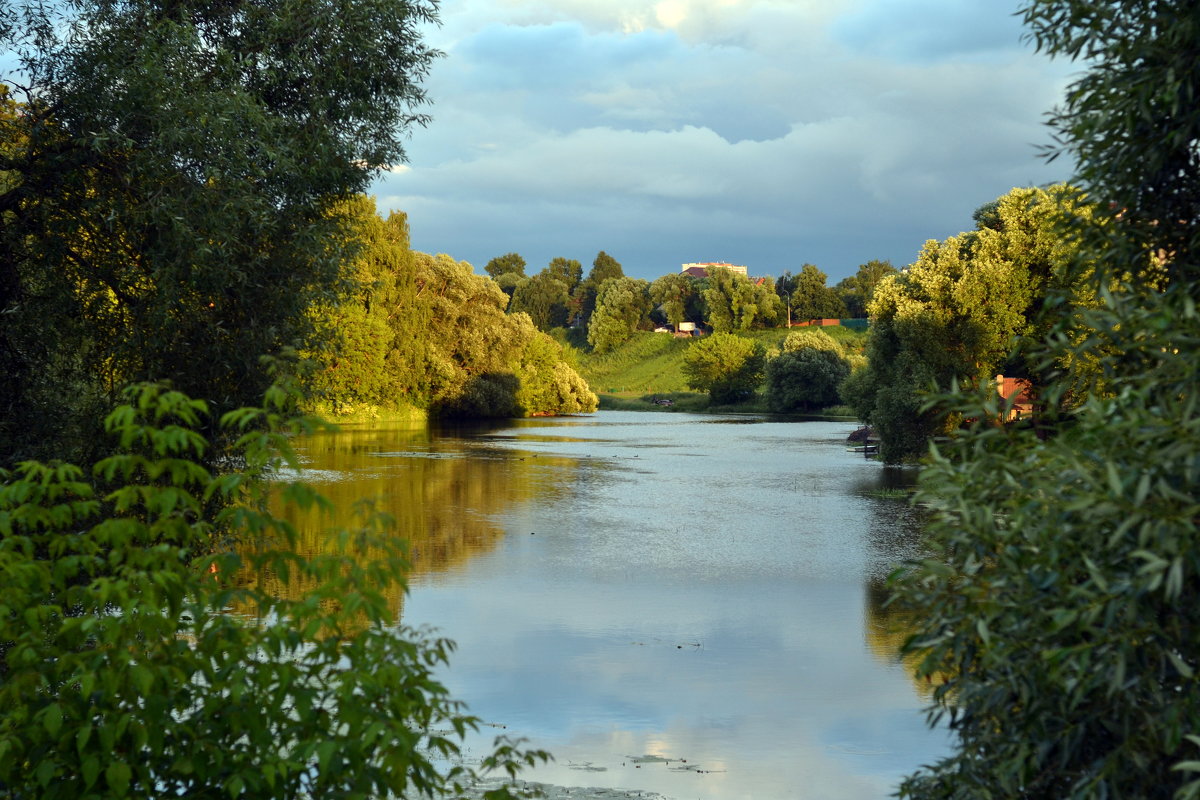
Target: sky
point(766, 133)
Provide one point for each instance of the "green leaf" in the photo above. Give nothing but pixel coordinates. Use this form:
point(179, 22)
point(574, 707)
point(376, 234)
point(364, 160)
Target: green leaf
point(1182, 667)
point(90, 770)
point(52, 719)
point(118, 775)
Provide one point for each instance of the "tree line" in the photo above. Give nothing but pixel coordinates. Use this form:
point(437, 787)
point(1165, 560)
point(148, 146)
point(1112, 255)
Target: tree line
point(606, 307)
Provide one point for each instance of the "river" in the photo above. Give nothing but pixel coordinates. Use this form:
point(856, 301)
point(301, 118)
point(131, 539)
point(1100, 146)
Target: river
point(682, 604)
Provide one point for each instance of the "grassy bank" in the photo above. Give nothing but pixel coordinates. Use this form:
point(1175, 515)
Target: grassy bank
point(348, 414)
point(649, 367)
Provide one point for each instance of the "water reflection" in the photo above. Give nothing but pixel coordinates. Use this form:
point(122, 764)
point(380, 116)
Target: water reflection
point(626, 584)
point(443, 488)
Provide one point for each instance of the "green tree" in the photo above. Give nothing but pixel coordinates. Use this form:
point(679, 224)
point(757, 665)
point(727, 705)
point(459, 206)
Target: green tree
point(172, 174)
point(622, 306)
point(812, 339)
point(726, 366)
point(604, 267)
point(583, 299)
point(358, 333)
point(678, 298)
point(1058, 602)
point(956, 314)
point(508, 283)
point(733, 302)
point(857, 291)
point(507, 264)
point(544, 298)
point(125, 675)
point(446, 344)
point(566, 270)
point(812, 299)
point(804, 379)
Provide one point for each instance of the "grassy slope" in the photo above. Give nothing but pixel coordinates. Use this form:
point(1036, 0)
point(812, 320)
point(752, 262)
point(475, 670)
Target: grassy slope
point(650, 364)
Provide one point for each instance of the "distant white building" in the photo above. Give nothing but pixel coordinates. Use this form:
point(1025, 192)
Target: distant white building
point(701, 269)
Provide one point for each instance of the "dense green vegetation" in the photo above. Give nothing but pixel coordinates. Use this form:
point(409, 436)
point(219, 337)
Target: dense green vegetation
point(651, 365)
point(1059, 601)
point(954, 316)
point(426, 332)
point(174, 220)
point(178, 197)
point(124, 674)
point(808, 374)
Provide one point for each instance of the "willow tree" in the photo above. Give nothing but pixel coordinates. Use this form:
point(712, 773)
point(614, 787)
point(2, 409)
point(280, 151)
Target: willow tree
point(424, 332)
point(172, 173)
point(733, 302)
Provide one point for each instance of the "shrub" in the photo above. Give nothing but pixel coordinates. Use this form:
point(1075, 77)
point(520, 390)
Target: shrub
point(805, 379)
point(124, 675)
point(728, 367)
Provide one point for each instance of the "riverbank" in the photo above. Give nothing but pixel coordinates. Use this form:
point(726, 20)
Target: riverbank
point(697, 403)
point(552, 792)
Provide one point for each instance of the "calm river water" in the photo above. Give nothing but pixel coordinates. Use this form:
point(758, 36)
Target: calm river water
point(628, 584)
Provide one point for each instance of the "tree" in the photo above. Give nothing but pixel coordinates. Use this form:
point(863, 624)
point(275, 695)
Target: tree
point(857, 291)
point(956, 313)
point(726, 366)
point(358, 330)
point(812, 339)
point(804, 379)
point(583, 299)
point(812, 299)
point(807, 373)
point(604, 267)
point(426, 332)
point(173, 220)
point(567, 270)
point(1058, 601)
point(544, 298)
point(733, 302)
point(622, 306)
point(678, 298)
point(507, 264)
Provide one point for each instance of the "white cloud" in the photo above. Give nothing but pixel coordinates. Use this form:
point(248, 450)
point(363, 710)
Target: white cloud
point(773, 131)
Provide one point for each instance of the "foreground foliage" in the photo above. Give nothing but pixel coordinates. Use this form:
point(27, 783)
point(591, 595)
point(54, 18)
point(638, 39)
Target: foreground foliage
point(124, 675)
point(1059, 604)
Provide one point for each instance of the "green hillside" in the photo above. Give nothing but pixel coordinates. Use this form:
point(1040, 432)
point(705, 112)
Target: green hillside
point(650, 363)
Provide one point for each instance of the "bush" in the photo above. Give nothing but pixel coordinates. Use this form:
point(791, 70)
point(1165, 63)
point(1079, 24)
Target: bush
point(728, 367)
point(805, 379)
point(124, 673)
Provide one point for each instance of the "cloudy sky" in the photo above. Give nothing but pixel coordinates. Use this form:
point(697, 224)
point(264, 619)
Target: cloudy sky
point(768, 133)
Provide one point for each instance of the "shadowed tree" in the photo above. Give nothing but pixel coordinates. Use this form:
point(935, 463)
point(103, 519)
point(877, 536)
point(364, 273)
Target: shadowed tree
point(507, 264)
point(726, 366)
point(170, 210)
point(857, 291)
